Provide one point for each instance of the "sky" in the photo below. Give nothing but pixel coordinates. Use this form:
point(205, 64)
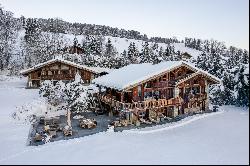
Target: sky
point(222, 20)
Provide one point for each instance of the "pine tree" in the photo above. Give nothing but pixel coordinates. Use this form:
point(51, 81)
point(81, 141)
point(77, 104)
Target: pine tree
point(8, 34)
point(146, 54)
point(242, 87)
point(132, 54)
point(215, 64)
point(109, 56)
point(245, 57)
point(76, 95)
point(228, 91)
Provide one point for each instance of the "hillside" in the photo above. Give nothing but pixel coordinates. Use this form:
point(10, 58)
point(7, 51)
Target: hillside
point(26, 42)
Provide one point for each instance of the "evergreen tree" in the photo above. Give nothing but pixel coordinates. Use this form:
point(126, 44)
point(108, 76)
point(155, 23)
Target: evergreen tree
point(8, 34)
point(242, 87)
point(132, 54)
point(245, 57)
point(146, 54)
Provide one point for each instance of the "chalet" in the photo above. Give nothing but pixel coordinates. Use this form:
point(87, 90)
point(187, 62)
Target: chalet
point(185, 55)
point(76, 49)
point(168, 88)
point(60, 69)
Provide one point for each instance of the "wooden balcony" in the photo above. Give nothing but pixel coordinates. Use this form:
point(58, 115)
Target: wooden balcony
point(146, 104)
point(58, 77)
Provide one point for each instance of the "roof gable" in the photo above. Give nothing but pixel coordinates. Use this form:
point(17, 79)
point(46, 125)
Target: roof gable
point(95, 70)
point(129, 76)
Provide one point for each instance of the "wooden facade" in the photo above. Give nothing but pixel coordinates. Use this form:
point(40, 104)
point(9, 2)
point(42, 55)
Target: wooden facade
point(175, 92)
point(76, 50)
point(57, 71)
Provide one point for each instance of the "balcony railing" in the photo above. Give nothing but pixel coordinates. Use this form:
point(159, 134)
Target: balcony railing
point(58, 77)
point(149, 103)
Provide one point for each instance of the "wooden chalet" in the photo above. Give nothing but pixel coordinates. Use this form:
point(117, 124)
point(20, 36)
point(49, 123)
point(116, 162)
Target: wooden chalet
point(59, 69)
point(185, 55)
point(168, 88)
point(76, 49)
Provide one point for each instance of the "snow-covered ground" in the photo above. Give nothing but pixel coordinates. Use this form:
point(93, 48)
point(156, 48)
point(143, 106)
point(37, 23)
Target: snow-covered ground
point(217, 138)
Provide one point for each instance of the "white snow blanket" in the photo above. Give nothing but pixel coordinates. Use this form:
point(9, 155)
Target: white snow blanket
point(221, 138)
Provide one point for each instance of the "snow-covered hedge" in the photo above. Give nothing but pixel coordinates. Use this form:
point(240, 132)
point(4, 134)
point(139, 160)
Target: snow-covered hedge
point(30, 111)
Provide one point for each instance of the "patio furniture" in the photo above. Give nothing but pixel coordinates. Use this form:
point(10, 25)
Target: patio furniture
point(47, 121)
point(46, 128)
point(145, 121)
point(124, 123)
point(67, 131)
point(54, 127)
point(56, 120)
point(137, 123)
point(41, 121)
point(52, 133)
point(38, 137)
point(87, 123)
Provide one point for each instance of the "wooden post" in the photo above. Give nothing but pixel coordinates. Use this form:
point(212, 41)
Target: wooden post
point(68, 118)
point(122, 96)
point(207, 97)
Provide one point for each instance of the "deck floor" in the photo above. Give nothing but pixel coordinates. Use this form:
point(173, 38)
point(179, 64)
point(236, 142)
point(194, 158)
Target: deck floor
point(102, 125)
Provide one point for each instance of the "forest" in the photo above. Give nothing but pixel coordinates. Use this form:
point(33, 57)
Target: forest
point(25, 42)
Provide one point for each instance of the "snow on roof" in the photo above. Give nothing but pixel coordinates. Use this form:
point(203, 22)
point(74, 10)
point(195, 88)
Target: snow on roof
point(129, 76)
point(96, 70)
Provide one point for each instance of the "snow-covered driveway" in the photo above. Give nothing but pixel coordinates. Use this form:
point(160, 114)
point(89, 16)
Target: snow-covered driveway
point(222, 138)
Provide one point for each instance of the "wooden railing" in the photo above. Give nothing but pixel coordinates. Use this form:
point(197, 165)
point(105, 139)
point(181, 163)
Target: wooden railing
point(150, 103)
point(58, 77)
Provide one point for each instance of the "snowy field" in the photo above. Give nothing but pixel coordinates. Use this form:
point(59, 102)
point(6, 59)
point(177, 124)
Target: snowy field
point(216, 138)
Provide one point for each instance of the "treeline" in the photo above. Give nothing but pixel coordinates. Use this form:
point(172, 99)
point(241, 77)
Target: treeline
point(231, 65)
point(97, 52)
point(56, 25)
point(43, 38)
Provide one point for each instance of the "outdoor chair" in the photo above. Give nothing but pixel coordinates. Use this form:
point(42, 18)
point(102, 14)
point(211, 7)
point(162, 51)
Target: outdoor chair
point(52, 133)
point(67, 131)
point(38, 137)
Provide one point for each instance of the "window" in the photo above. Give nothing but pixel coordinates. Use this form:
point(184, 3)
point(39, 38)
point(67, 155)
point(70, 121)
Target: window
point(39, 74)
point(187, 90)
point(179, 73)
point(171, 76)
point(147, 95)
point(49, 73)
point(148, 85)
point(164, 78)
point(55, 72)
point(196, 81)
point(170, 93)
point(65, 72)
point(202, 89)
point(196, 90)
point(139, 91)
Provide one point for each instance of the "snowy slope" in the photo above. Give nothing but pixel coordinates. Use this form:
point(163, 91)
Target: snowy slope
point(122, 44)
point(219, 138)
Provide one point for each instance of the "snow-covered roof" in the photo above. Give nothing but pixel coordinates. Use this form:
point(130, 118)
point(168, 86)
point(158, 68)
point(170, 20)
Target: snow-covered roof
point(95, 70)
point(134, 74)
